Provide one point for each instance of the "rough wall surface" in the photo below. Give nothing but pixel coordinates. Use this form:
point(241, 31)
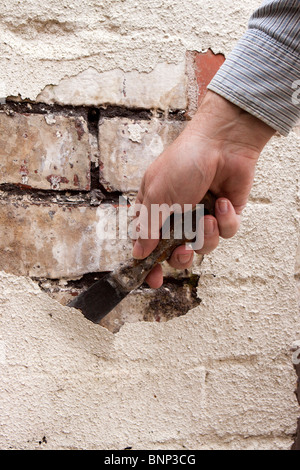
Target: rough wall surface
point(110, 84)
point(42, 44)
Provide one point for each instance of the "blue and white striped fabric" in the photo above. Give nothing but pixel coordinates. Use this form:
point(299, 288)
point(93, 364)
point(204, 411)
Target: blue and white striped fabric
point(262, 74)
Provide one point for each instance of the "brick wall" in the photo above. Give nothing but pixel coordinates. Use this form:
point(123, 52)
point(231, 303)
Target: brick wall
point(206, 361)
point(65, 164)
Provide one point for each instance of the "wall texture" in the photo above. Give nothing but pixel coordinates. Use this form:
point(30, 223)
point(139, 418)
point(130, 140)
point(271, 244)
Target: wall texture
point(93, 93)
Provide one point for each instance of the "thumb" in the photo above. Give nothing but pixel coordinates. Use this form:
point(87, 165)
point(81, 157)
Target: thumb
point(143, 248)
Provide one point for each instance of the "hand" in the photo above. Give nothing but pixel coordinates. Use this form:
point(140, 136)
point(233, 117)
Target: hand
point(217, 151)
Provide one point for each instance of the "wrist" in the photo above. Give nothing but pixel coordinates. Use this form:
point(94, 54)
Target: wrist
point(224, 122)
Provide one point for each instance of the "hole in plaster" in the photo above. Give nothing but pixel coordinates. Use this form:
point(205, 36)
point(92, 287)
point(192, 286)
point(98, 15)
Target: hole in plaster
point(175, 298)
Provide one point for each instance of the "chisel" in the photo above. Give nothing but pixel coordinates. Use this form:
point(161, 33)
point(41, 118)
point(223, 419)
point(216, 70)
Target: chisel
point(103, 296)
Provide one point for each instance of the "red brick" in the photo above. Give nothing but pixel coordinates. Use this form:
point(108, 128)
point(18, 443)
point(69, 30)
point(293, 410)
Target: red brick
point(201, 68)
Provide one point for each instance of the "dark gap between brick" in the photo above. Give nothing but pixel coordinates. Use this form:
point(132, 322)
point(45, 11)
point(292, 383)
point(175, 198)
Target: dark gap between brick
point(90, 113)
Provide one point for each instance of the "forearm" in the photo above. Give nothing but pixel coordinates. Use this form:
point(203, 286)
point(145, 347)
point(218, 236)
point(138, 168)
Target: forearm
point(260, 73)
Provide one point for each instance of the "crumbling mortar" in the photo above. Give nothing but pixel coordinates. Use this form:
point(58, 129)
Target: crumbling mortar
point(109, 111)
point(86, 280)
point(30, 107)
point(25, 194)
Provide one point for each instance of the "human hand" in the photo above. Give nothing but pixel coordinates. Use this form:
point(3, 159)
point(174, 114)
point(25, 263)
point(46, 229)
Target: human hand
point(217, 151)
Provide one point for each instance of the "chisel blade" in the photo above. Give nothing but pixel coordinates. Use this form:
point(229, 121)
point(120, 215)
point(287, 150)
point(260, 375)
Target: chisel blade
point(100, 299)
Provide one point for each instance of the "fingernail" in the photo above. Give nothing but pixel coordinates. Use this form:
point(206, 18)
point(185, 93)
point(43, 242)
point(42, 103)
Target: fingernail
point(223, 206)
point(184, 259)
point(138, 250)
point(209, 226)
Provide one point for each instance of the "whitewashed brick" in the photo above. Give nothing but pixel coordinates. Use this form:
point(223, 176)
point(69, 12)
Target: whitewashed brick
point(54, 241)
point(165, 87)
point(44, 151)
point(128, 147)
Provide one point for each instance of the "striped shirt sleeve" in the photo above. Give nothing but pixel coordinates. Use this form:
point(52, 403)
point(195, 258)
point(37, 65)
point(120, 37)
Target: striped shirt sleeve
point(262, 74)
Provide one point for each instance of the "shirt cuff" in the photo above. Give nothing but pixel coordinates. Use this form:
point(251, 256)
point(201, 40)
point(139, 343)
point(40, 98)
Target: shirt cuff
point(262, 77)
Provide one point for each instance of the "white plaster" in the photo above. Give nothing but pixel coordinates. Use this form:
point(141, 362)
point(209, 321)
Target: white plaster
point(220, 377)
point(42, 45)
point(135, 132)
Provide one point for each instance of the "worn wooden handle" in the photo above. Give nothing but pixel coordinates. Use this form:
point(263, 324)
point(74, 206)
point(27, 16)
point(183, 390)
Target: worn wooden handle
point(131, 275)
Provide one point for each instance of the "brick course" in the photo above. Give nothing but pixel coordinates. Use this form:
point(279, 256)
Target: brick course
point(163, 88)
point(48, 240)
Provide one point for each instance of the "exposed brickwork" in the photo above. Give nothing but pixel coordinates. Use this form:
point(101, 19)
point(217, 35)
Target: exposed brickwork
point(127, 147)
point(163, 88)
point(44, 151)
point(43, 239)
point(206, 66)
point(201, 68)
point(64, 162)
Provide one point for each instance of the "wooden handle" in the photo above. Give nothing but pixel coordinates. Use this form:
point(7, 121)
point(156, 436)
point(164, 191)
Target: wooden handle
point(131, 275)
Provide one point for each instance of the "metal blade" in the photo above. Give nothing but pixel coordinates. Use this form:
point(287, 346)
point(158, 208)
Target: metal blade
point(100, 299)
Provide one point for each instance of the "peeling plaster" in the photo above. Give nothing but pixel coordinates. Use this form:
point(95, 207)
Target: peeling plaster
point(45, 45)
